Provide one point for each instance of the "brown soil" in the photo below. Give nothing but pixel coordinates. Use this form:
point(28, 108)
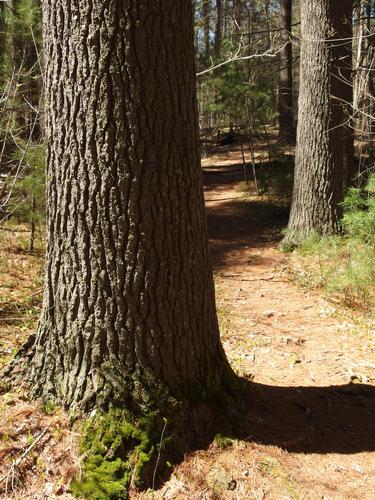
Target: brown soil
point(311, 433)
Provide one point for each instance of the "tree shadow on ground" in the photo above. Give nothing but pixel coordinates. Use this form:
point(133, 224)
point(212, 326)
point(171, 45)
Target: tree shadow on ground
point(306, 420)
point(333, 419)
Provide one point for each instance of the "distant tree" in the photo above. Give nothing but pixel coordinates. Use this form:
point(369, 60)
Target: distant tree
point(2, 39)
point(206, 14)
point(219, 26)
point(324, 157)
point(237, 11)
point(286, 115)
point(241, 92)
point(20, 120)
point(364, 61)
point(26, 37)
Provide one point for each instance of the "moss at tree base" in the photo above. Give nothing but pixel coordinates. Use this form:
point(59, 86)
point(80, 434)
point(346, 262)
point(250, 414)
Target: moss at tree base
point(119, 453)
point(122, 450)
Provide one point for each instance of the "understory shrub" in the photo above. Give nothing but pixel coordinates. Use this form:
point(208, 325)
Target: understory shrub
point(345, 264)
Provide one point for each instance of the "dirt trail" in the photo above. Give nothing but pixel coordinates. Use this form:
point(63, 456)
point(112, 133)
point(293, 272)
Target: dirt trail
point(312, 435)
point(292, 337)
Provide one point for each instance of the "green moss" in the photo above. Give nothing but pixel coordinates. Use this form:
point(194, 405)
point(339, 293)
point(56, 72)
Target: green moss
point(119, 451)
point(49, 407)
point(223, 442)
point(122, 450)
point(103, 479)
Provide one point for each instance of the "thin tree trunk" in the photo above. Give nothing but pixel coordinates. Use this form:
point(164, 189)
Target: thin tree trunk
point(267, 11)
point(226, 17)
point(32, 224)
point(2, 79)
point(324, 158)
point(363, 72)
point(2, 38)
point(219, 27)
point(237, 13)
point(33, 77)
point(286, 116)
point(357, 48)
point(206, 13)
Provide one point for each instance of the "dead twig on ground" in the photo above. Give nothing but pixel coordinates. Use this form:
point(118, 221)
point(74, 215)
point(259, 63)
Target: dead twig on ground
point(17, 462)
point(26, 318)
point(265, 278)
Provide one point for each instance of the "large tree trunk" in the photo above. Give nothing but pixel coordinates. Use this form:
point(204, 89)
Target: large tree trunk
point(286, 116)
point(324, 158)
point(129, 310)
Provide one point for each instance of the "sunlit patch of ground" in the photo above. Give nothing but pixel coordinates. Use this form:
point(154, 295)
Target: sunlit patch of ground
point(38, 450)
point(21, 288)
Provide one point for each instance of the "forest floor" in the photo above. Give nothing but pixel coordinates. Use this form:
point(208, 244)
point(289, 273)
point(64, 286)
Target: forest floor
point(312, 432)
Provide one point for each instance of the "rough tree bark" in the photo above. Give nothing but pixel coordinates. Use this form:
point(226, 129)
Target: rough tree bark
point(324, 158)
point(286, 116)
point(129, 314)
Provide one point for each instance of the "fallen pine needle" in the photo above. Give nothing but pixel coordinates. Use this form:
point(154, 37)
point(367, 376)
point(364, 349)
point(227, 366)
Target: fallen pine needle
point(17, 462)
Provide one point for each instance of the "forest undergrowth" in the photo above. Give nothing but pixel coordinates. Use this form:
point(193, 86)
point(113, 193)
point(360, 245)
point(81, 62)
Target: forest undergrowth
point(343, 265)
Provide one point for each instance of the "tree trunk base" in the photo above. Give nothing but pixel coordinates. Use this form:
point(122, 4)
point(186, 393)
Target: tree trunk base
point(295, 237)
point(132, 445)
point(126, 451)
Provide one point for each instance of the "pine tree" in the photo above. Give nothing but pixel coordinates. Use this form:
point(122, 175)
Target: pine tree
point(128, 318)
point(324, 157)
